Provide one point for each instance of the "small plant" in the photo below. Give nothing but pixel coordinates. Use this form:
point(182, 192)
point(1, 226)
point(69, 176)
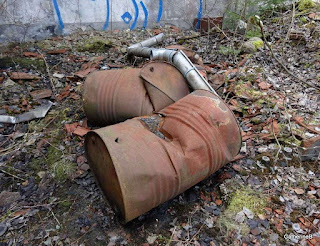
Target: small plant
point(228, 51)
point(253, 33)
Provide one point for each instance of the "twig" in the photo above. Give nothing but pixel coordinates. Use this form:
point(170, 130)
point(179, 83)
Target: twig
point(305, 126)
point(292, 20)
point(280, 63)
point(12, 175)
point(174, 230)
point(278, 143)
point(54, 217)
point(48, 72)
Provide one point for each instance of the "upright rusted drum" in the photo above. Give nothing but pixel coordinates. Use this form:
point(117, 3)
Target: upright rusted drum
point(113, 96)
point(148, 160)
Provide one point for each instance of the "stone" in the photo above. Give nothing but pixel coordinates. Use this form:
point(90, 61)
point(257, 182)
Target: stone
point(151, 239)
point(3, 229)
point(274, 237)
point(252, 45)
point(241, 27)
point(240, 217)
point(256, 231)
point(248, 213)
point(7, 198)
point(312, 149)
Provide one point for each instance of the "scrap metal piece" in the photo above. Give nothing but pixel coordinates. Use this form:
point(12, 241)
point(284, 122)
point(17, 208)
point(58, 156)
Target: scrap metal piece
point(36, 113)
point(149, 42)
point(113, 96)
point(164, 84)
point(180, 60)
point(146, 161)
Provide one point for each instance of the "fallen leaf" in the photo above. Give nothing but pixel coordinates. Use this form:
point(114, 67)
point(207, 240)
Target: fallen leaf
point(236, 167)
point(84, 73)
point(20, 212)
point(264, 85)
point(81, 131)
point(39, 94)
point(218, 202)
point(299, 191)
point(57, 52)
point(314, 16)
point(23, 76)
point(64, 93)
point(71, 127)
point(74, 96)
point(32, 54)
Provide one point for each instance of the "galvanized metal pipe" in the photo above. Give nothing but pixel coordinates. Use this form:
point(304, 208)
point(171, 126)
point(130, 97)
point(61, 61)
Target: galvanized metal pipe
point(149, 42)
point(176, 58)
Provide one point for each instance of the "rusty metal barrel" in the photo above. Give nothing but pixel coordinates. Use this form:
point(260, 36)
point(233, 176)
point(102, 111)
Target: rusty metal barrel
point(148, 160)
point(113, 96)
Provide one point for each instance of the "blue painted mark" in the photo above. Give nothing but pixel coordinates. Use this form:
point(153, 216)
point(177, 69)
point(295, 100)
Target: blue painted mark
point(199, 15)
point(106, 24)
point(56, 7)
point(146, 14)
point(160, 11)
point(136, 16)
point(126, 17)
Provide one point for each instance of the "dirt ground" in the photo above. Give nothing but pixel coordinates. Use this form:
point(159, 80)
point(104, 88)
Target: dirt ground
point(270, 195)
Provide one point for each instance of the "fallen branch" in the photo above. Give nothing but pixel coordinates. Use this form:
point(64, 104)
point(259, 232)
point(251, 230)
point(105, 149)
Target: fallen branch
point(260, 24)
point(305, 126)
point(48, 72)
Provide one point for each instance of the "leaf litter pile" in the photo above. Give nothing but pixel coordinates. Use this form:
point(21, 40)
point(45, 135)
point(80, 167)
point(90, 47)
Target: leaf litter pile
point(269, 195)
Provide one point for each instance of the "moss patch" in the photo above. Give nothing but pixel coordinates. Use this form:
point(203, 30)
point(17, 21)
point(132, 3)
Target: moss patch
point(226, 220)
point(305, 4)
point(95, 45)
point(7, 62)
point(247, 198)
point(258, 44)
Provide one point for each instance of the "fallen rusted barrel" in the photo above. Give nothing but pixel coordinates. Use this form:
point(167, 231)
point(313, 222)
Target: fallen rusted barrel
point(148, 160)
point(113, 96)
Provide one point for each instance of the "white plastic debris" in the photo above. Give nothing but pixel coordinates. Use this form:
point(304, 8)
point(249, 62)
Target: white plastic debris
point(36, 113)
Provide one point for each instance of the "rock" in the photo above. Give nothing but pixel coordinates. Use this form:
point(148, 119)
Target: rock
point(151, 239)
point(252, 45)
point(41, 174)
point(252, 223)
point(287, 149)
point(209, 222)
point(297, 35)
point(240, 217)
point(58, 75)
point(7, 198)
point(248, 213)
point(3, 229)
point(241, 27)
point(9, 83)
point(312, 149)
point(256, 231)
point(274, 237)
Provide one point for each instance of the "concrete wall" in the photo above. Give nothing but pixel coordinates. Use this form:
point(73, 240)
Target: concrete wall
point(22, 20)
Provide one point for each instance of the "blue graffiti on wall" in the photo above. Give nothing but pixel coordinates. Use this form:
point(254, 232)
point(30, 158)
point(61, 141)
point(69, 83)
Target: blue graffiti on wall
point(106, 24)
point(56, 7)
point(199, 14)
point(127, 17)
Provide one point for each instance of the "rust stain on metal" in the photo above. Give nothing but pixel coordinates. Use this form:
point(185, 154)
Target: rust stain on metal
point(164, 83)
point(138, 168)
point(113, 96)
